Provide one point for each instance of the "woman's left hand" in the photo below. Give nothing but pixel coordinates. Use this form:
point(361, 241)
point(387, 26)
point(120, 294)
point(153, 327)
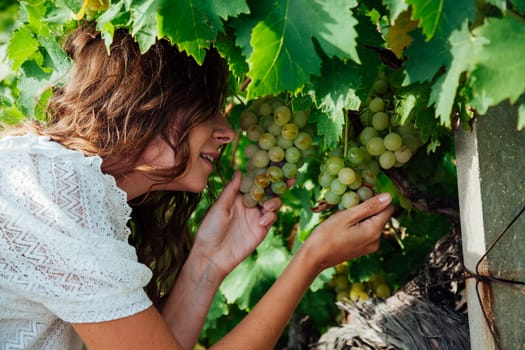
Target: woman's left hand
point(230, 231)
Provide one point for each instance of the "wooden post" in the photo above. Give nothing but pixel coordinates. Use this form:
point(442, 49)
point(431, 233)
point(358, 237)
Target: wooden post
point(491, 183)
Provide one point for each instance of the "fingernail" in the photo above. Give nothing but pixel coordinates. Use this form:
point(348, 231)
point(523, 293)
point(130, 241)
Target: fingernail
point(384, 197)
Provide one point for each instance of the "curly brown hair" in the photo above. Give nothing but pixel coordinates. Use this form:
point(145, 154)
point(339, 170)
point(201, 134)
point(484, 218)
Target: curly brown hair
point(113, 104)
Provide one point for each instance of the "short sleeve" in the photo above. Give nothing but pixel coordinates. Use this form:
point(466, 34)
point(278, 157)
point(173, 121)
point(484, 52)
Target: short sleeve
point(63, 236)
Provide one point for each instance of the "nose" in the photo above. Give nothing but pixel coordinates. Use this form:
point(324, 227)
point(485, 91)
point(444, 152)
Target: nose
point(223, 131)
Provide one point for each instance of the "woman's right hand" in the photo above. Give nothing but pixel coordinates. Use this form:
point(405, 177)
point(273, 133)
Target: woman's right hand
point(349, 233)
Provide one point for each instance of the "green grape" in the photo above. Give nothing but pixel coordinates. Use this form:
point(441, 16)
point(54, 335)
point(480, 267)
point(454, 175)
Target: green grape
point(300, 118)
point(276, 154)
point(376, 105)
point(262, 180)
point(332, 198)
point(380, 121)
point(365, 117)
point(403, 154)
point(261, 159)
point(248, 201)
point(265, 122)
point(375, 146)
point(393, 141)
point(387, 159)
point(355, 156)
point(274, 129)
point(275, 173)
point(346, 175)
point(349, 199)
point(292, 154)
point(369, 177)
point(333, 165)
point(303, 141)
point(364, 193)
point(380, 86)
point(257, 192)
point(290, 131)
point(250, 165)
point(250, 150)
point(278, 187)
point(325, 179)
point(254, 132)
point(282, 115)
point(265, 109)
point(246, 183)
point(289, 170)
point(337, 187)
point(366, 156)
point(366, 134)
point(357, 183)
point(267, 141)
point(283, 142)
point(247, 119)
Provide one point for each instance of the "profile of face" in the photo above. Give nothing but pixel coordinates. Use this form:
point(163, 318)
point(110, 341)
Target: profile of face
point(205, 142)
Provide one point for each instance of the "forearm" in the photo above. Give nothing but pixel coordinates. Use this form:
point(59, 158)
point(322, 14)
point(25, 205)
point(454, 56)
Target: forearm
point(261, 328)
point(189, 301)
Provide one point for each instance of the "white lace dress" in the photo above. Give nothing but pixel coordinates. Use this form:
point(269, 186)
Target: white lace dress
point(64, 252)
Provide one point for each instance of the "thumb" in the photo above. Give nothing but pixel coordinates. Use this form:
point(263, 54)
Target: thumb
point(231, 190)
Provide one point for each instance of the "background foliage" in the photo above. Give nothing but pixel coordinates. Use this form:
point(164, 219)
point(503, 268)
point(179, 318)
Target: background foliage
point(447, 61)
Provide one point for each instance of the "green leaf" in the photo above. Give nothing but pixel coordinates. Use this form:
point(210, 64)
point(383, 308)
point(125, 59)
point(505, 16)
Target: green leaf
point(396, 7)
point(144, 22)
point(499, 63)
point(426, 58)
point(193, 26)
point(428, 12)
point(22, 46)
point(284, 56)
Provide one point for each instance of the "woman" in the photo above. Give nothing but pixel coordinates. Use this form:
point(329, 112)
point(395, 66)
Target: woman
point(134, 136)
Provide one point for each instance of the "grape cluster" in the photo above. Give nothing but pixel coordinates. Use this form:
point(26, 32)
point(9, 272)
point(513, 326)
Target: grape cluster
point(376, 286)
point(348, 179)
point(279, 142)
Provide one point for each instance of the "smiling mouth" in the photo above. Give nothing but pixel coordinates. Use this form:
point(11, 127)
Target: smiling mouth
point(208, 157)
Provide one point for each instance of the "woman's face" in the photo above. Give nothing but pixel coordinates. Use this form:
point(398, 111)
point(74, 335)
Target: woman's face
point(205, 141)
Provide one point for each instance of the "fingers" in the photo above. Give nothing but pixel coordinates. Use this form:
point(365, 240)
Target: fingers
point(231, 190)
point(369, 207)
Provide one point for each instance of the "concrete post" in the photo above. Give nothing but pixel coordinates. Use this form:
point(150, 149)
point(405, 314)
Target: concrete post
point(491, 183)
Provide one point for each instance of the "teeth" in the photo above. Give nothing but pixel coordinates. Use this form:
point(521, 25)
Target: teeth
point(208, 157)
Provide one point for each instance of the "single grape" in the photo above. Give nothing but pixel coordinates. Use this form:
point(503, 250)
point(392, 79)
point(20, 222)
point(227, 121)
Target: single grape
point(250, 150)
point(355, 156)
point(357, 183)
point(334, 164)
point(267, 141)
point(350, 199)
point(376, 105)
point(364, 193)
point(300, 118)
point(246, 183)
point(274, 129)
point(380, 121)
point(265, 109)
point(369, 177)
point(292, 154)
point(403, 154)
point(254, 132)
point(283, 142)
point(382, 291)
point(325, 179)
point(275, 173)
point(247, 119)
point(276, 154)
point(257, 192)
point(375, 146)
point(261, 159)
point(332, 198)
point(393, 141)
point(290, 131)
point(282, 115)
point(366, 134)
point(303, 141)
point(380, 86)
point(265, 121)
point(346, 175)
point(248, 201)
point(289, 170)
point(387, 159)
point(337, 187)
point(262, 180)
point(278, 187)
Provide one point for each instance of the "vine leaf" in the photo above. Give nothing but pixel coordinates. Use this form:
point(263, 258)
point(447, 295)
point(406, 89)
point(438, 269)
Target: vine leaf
point(194, 25)
point(284, 55)
point(497, 62)
point(22, 47)
point(398, 38)
point(428, 13)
